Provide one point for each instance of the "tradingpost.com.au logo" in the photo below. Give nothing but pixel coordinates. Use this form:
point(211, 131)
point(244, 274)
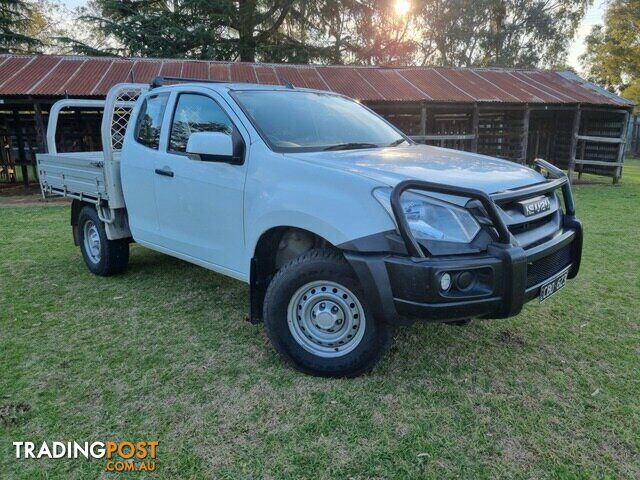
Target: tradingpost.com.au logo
point(120, 456)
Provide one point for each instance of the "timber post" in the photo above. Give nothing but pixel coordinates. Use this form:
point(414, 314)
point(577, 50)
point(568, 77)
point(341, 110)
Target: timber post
point(525, 135)
point(475, 127)
point(22, 156)
point(575, 131)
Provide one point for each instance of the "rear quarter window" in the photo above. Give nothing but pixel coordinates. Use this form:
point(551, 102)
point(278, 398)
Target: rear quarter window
point(149, 123)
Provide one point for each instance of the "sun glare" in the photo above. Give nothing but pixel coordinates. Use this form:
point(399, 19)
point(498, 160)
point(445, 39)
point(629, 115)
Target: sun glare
point(402, 7)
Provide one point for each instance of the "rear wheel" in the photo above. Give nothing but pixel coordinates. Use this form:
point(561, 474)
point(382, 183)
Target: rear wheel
point(102, 256)
point(316, 317)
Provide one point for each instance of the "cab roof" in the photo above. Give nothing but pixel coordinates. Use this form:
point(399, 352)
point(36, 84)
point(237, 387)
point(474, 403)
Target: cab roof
point(237, 86)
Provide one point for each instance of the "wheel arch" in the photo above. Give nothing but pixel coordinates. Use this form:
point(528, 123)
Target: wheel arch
point(76, 208)
point(274, 248)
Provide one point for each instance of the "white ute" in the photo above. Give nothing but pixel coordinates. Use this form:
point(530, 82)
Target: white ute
point(343, 227)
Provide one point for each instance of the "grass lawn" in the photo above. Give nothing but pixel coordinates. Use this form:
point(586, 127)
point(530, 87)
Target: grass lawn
point(164, 353)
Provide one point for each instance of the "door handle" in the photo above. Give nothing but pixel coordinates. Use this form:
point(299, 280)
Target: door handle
point(164, 173)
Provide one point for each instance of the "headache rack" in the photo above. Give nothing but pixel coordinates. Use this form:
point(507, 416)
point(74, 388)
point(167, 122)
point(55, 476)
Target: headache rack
point(91, 176)
point(556, 179)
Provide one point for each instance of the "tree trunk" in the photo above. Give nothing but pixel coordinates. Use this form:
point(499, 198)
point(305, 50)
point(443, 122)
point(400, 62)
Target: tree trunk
point(499, 13)
point(246, 44)
point(247, 51)
point(441, 46)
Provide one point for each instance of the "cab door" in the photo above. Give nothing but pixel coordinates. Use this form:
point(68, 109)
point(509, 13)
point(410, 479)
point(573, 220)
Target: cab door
point(140, 154)
point(200, 203)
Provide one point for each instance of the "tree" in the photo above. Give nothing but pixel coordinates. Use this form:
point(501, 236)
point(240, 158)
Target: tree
point(526, 33)
point(301, 38)
point(612, 57)
point(325, 31)
point(360, 32)
point(17, 19)
point(203, 29)
point(531, 32)
point(451, 31)
point(508, 33)
point(377, 35)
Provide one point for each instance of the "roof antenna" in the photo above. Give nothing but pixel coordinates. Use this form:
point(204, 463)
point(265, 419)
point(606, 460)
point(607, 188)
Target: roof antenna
point(289, 85)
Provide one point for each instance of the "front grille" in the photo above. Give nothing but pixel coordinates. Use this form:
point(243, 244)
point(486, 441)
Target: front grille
point(531, 231)
point(524, 227)
point(546, 267)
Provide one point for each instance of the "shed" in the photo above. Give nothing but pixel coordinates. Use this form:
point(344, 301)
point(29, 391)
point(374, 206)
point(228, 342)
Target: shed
point(509, 113)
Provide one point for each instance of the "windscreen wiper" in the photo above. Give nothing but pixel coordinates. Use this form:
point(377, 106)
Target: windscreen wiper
point(351, 146)
point(397, 142)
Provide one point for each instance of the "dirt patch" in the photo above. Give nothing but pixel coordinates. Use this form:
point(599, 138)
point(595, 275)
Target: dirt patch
point(13, 413)
point(30, 200)
point(516, 451)
point(508, 338)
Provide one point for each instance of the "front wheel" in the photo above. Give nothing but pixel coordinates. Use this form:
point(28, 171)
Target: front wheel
point(316, 317)
point(102, 256)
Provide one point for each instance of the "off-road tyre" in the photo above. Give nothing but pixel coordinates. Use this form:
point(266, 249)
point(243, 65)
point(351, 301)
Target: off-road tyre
point(326, 268)
point(102, 256)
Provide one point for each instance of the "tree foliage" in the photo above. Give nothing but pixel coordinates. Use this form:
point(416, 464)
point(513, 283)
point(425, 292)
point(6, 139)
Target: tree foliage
point(498, 32)
point(451, 32)
point(613, 50)
point(18, 23)
point(202, 29)
point(376, 35)
point(363, 32)
point(532, 32)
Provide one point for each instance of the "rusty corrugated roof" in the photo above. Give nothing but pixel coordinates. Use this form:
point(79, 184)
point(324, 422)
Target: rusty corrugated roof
point(51, 75)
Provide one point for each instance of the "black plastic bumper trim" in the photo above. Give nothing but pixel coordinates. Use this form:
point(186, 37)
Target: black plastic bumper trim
point(533, 291)
point(399, 289)
point(448, 311)
point(562, 239)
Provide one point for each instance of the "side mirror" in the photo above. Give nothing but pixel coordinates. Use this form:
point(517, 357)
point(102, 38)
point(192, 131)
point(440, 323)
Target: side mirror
point(211, 147)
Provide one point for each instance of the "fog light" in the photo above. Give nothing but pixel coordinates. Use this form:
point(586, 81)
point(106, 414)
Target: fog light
point(465, 280)
point(445, 282)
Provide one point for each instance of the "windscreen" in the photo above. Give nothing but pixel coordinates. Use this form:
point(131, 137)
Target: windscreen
point(310, 121)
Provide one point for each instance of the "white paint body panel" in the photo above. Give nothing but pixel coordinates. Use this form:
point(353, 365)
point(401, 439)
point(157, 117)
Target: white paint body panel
point(213, 214)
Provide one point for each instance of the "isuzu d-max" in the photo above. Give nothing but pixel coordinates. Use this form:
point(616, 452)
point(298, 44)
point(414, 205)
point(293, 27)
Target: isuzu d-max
point(343, 227)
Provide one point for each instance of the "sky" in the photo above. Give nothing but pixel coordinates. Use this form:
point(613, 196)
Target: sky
point(594, 15)
point(71, 4)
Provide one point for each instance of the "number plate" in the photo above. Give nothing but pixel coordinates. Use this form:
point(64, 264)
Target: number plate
point(553, 285)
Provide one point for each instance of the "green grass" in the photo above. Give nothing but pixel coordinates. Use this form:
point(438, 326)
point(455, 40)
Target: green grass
point(164, 353)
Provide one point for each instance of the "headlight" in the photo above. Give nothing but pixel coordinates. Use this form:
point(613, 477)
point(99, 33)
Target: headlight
point(432, 219)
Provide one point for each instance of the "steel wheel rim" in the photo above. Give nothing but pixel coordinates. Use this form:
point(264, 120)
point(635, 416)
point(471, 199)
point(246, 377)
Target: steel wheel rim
point(92, 244)
point(326, 319)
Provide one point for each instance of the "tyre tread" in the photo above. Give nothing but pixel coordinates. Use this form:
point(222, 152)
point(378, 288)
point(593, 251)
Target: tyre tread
point(328, 259)
point(115, 255)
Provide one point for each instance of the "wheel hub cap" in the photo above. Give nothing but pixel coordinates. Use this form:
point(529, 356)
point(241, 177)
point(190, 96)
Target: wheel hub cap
point(326, 319)
point(327, 315)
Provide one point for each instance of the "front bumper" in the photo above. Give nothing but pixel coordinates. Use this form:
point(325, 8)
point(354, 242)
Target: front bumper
point(400, 288)
point(497, 282)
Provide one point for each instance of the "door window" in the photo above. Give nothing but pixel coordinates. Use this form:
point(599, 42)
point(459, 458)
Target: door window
point(196, 113)
point(150, 120)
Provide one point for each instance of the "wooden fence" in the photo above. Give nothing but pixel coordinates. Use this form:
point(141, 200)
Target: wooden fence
point(578, 138)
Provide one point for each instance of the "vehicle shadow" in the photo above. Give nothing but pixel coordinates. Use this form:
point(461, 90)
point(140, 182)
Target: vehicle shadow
point(441, 347)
